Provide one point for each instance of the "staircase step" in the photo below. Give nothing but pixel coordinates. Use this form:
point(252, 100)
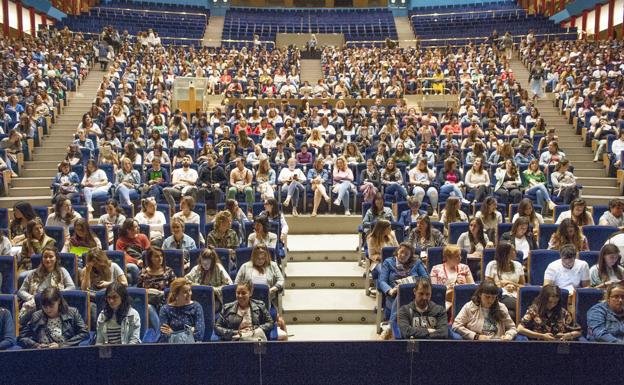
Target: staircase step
point(599, 199)
point(40, 172)
point(322, 255)
point(39, 164)
point(599, 190)
point(10, 201)
point(324, 224)
point(331, 332)
point(31, 182)
point(29, 191)
point(596, 181)
point(587, 172)
point(328, 306)
point(48, 157)
point(314, 275)
point(587, 164)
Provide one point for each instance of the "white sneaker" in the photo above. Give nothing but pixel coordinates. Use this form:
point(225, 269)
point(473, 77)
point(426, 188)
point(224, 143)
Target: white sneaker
point(337, 202)
point(551, 205)
point(287, 202)
point(347, 212)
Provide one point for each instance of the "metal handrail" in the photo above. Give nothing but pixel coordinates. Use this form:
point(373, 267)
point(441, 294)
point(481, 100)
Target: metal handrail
point(149, 11)
point(458, 38)
point(247, 41)
point(468, 13)
point(134, 36)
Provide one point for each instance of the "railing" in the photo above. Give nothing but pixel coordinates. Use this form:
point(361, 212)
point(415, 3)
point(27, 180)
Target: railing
point(97, 34)
point(148, 11)
point(365, 362)
point(490, 12)
point(247, 41)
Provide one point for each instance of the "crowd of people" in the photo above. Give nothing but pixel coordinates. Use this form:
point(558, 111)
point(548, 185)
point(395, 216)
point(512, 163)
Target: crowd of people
point(135, 161)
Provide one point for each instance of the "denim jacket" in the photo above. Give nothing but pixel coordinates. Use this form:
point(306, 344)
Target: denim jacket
point(229, 321)
point(603, 325)
point(130, 328)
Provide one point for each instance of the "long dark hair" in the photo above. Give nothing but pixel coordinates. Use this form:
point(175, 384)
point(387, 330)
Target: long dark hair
point(525, 204)
point(124, 307)
point(603, 269)
point(582, 219)
point(52, 295)
point(275, 211)
point(149, 254)
point(490, 288)
point(480, 235)
point(541, 301)
point(501, 256)
point(26, 209)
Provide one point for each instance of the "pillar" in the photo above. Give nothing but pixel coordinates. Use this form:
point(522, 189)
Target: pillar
point(5, 17)
point(611, 15)
point(20, 22)
point(584, 24)
point(33, 23)
point(597, 21)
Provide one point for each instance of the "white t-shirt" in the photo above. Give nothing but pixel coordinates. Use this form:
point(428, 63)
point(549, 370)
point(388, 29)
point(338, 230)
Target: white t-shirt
point(490, 272)
point(568, 279)
point(180, 173)
point(568, 214)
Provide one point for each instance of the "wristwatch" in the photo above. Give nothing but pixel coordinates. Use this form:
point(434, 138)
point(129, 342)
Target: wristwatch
point(476, 337)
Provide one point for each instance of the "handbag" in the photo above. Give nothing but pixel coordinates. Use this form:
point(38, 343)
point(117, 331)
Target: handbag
point(184, 336)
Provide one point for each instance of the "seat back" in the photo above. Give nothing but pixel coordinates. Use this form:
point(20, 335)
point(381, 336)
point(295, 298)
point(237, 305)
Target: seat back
point(8, 269)
point(591, 257)
point(175, 260)
point(585, 299)
point(101, 232)
point(546, 230)
point(455, 230)
point(598, 235)
point(118, 257)
point(558, 210)
point(538, 262)
point(260, 292)
point(68, 260)
point(434, 257)
point(9, 302)
point(597, 211)
point(75, 298)
point(527, 295)
point(57, 233)
point(243, 255)
point(204, 295)
point(42, 212)
point(502, 229)
point(463, 294)
point(406, 295)
point(4, 218)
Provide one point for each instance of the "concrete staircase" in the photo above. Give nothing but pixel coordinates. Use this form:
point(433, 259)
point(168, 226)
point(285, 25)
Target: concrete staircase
point(33, 185)
point(597, 188)
point(311, 71)
point(405, 32)
point(324, 297)
point(214, 31)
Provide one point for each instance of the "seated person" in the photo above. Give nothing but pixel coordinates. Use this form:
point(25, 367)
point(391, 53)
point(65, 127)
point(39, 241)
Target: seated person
point(181, 319)
point(615, 215)
point(380, 236)
point(55, 325)
point(114, 217)
point(508, 274)
point(261, 234)
point(408, 216)
point(261, 269)
point(179, 241)
point(209, 272)
point(424, 235)
point(483, 318)
point(568, 233)
point(547, 319)
point(403, 267)
point(605, 320)
point(475, 240)
point(422, 318)
point(36, 240)
point(118, 322)
point(520, 237)
point(48, 274)
point(150, 215)
point(451, 272)
point(246, 319)
point(608, 269)
point(83, 239)
point(133, 243)
point(222, 235)
point(568, 272)
point(155, 276)
point(376, 212)
point(7, 329)
point(100, 272)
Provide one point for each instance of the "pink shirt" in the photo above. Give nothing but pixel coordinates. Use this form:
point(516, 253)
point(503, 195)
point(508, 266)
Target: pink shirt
point(339, 176)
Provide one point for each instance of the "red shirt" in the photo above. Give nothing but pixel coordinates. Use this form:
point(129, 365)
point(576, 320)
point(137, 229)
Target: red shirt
point(140, 240)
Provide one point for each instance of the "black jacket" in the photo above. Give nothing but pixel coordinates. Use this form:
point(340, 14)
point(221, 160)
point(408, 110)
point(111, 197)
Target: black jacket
point(507, 237)
point(74, 329)
point(229, 321)
point(211, 176)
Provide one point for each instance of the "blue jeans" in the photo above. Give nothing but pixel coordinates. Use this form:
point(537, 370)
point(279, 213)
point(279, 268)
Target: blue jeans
point(133, 274)
point(97, 193)
point(125, 194)
point(294, 190)
point(399, 192)
point(451, 189)
point(541, 194)
point(344, 189)
point(431, 193)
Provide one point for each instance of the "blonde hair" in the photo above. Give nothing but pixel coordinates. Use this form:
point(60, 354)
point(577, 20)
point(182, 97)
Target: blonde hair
point(174, 289)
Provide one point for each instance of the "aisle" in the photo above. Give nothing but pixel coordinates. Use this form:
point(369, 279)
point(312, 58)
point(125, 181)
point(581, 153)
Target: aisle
point(324, 297)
